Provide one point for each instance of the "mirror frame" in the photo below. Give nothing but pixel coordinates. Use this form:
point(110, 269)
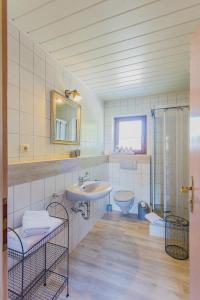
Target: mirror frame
point(53, 96)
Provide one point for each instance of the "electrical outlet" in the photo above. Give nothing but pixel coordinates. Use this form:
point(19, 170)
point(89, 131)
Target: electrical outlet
point(25, 147)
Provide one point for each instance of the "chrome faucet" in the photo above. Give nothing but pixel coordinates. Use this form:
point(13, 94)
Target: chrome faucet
point(82, 179)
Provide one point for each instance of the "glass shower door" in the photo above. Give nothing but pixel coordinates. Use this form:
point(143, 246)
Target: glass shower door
point(170, 163)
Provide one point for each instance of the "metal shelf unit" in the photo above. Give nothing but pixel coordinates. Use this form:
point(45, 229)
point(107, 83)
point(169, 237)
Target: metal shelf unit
point(35, 274)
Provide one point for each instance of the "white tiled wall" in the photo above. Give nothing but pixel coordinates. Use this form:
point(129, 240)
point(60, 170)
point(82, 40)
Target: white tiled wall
point(31, 75)
point(37, 194)
point(137, 106)
point(136, 180)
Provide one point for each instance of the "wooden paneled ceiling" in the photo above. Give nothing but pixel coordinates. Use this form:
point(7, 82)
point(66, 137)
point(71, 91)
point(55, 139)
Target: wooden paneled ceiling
point(119, 48)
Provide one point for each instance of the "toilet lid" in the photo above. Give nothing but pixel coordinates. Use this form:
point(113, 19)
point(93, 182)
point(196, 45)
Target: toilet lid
point(123, 195)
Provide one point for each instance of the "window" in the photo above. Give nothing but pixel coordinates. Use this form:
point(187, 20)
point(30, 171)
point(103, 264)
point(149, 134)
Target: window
point(130, 132)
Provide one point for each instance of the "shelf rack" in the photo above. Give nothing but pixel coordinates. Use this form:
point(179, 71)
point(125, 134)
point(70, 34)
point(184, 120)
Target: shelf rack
point(35, 274)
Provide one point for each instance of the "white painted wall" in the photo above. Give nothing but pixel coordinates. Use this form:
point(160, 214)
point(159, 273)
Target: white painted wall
point(32, 74)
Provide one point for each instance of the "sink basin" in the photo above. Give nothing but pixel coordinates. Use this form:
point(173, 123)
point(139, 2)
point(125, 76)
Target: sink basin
point(90, 190)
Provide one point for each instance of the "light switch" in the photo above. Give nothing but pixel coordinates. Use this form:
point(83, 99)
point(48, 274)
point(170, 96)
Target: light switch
point(25, 147)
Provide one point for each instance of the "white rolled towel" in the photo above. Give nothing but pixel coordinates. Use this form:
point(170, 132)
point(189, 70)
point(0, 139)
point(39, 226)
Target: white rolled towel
point(35, 222)
point(30, 241)
point(153, 218)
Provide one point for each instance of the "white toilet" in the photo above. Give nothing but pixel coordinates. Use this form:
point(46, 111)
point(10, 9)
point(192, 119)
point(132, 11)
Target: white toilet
point(125, 200)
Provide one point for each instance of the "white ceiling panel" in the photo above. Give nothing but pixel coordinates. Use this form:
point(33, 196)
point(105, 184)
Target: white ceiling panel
point(127, 36)
point(122, 51)
point(45, 15)
point(133, 60)
point(103, 12)
point(143, 71)
point(106, 35)
point(143, 82)
point(20, 8)
point(182, 69)
point(118, 48)
point(147, 66)
point(144, 89)
point(103, 25)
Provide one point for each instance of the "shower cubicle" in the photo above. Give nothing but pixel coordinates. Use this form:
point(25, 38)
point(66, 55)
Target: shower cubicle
point(170, 169)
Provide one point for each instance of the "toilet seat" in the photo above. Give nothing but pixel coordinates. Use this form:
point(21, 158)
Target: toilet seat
point(125, 200)
point(122, 196)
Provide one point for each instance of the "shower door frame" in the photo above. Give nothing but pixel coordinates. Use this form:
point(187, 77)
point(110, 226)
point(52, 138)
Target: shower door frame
point(161, 108)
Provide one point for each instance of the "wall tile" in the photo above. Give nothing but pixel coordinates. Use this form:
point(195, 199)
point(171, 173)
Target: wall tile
point(13, 121)
point(26, 102)
point(50, 75)
point(13, 146)
point(13, 31)
point(26, 80)
point(39, 66)
point(27, 139)
point(26, 41)
point(38, 194)
point(42, 127)
point(50, 186)
point(39, 87)
point(41, 108)
point(136, 106)
point(26, 124)
point(10, 220)
point(37, 191)
point(40, 205)
point(42, 147)
point(13, 49)
point(75, 175)
point(37, 75)
point(26, 58)
point(21, 196)
point(39, 52)
point(13, 73)
point(13, 97)
point(68, 179)
point(60, 183)
point(36, 78)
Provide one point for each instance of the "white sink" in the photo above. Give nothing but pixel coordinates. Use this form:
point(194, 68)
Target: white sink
point(89, 190)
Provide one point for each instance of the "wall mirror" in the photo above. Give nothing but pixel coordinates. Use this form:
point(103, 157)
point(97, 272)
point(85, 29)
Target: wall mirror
point(65, 120)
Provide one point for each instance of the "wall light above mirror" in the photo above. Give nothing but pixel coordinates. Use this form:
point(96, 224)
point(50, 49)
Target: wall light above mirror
point(65, 120)
point(75, 94)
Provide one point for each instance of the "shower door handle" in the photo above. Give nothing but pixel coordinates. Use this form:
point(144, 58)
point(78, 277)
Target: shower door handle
point(187, 189)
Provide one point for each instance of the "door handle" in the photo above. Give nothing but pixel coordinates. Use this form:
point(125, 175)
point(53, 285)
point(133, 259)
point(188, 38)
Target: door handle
point(187, 189)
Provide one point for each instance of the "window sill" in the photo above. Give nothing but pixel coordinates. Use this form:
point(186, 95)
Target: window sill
point(117, 157)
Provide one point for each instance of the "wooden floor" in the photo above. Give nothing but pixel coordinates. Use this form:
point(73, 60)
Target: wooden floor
point(118, 260)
